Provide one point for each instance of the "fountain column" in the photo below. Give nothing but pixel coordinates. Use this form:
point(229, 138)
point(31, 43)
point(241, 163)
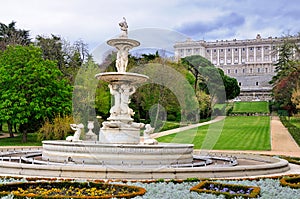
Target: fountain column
point(119, 127)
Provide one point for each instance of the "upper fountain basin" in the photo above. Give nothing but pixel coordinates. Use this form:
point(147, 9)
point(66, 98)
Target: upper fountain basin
point(121, 77)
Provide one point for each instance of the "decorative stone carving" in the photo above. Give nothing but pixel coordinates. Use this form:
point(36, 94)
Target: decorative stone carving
point(124, 28)
point(90, 135)
point(115, 91)
point(76, 137)
point(126, 91)
point(146, 138)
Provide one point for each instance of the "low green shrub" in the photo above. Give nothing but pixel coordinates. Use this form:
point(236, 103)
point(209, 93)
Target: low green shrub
point(294, 130)
point(58, 129)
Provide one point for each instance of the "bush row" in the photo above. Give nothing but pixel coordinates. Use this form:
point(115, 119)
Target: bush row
point(294, 131)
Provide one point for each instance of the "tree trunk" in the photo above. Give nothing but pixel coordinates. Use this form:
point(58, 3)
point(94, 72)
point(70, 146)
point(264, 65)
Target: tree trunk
point(23, 130)
point(10, 131)
point(24, 137)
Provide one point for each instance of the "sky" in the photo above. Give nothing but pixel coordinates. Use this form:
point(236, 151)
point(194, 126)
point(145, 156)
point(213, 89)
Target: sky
point(95, 21)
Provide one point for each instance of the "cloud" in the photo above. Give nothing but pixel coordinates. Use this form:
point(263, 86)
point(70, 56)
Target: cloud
point(229, 21)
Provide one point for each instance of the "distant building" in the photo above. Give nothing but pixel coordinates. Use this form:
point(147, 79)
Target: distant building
point(250, 61)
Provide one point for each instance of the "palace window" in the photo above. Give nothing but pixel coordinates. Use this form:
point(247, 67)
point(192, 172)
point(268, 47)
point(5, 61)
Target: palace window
point(244, 70)
point(228, 71)
point(266, 70)
point(256, 83)
point(228, 49)
point(207, 51)
point(236, 71)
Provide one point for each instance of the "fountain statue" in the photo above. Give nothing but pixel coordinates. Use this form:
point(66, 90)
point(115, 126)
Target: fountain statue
point(76, 137)
point(120, 127)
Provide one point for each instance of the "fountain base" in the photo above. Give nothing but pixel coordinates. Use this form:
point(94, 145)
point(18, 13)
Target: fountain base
point(88, 152)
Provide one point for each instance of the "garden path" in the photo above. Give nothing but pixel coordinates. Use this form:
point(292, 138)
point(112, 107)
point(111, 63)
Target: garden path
point(177, 130)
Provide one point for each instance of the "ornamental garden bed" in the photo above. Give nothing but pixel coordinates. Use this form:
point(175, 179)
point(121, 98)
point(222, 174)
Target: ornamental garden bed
point(68, 189)
point(291, 181)
point(228, 190)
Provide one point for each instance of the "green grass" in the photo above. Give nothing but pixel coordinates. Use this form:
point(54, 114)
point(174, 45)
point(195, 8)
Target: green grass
point(295, 121)
point(238, 133)
point(17, 141)
point(251, 107)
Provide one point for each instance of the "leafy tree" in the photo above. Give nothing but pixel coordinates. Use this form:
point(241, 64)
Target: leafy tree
point(31, 88)
point(10, 35)
point(69, 57)
point(211, 79)
point(288, 71)
point(232, 88)
point(296, 97)
point(52, 49)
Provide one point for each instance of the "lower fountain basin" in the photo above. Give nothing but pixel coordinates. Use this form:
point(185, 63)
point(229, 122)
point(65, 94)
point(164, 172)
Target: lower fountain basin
point(91, 152)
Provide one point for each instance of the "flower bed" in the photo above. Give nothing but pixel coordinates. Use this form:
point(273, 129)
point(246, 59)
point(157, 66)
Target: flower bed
point(228, 190)
point(68, 189)
point(291, 181)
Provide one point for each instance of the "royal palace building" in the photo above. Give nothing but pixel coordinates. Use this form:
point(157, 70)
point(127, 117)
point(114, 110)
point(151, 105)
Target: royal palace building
point(250, 61)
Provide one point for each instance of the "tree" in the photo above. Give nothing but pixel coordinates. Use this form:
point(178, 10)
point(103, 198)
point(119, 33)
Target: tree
point(232, 88)
point(31, 89)
point(52, 49)
point(288, 72)
point(296, 97)
point(211, 79)
point(69, 57)
point(10, 35)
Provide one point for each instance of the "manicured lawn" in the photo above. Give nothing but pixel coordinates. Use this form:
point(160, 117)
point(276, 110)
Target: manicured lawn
point(238, 133)
point(17, 141)
point(295, 121)
point(251, 107)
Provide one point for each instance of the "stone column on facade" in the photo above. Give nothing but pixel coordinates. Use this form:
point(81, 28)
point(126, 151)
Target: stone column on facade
point(254, 54)
point(218, 57)
point(225, 57)
point(247, 54)
point(232, 56)
point(240, 56)
point(262, 54)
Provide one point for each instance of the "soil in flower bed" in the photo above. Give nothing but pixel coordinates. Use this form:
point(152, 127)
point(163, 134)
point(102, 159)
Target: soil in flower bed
point(70, 190)
point(228, 190)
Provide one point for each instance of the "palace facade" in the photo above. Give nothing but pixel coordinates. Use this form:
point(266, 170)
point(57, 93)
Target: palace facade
point(250, 61)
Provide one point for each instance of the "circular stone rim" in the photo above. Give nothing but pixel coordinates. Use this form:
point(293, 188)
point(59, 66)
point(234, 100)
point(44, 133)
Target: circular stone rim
point(122, 77)
point(123, 41)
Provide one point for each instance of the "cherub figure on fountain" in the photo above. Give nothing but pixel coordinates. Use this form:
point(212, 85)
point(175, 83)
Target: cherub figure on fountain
point(124, 27)
point(147, 138)
point(76, 137)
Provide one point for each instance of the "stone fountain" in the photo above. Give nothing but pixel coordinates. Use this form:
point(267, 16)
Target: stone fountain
point(119, 138)
point(119, 152)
